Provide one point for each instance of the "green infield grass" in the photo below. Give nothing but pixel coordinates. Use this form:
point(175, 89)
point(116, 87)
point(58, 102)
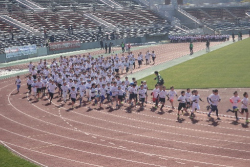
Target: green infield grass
point(228, 67)
point(8, 159)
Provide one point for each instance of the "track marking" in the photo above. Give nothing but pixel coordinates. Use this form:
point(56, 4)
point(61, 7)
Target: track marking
point(30, 116)
point(50, 154)
point(27, 158)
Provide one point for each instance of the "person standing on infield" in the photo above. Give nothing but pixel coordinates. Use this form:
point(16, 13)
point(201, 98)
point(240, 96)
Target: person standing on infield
point(191, 47)
point(160, 80)
point(208, 46)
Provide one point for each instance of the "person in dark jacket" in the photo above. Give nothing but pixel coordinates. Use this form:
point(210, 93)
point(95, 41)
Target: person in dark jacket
point(106, 48)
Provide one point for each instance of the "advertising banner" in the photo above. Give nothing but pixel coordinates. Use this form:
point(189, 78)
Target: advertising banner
point(17, 51)
point(64, 45)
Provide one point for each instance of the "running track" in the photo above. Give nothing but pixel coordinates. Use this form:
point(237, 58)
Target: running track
point(54, 135)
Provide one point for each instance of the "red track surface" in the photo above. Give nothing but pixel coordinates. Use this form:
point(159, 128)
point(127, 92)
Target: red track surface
point(54, 135)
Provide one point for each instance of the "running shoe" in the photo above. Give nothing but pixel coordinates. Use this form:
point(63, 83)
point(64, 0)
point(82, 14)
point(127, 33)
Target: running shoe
point(218, 118)
point(208, 107)
point(237, 119)
point(208, 115)
point(228, 110)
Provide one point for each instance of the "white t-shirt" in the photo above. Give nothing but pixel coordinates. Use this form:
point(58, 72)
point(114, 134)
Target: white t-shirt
point(142, 93)
point(188, 96)
point(52, 87)
point(244, 103)
point(214, 99)
point(171, 94)
point(235, 100)
point(64, 89)
point(163, 94)
point(196, 99)
point(156, 92)
point(73, 94)
point(114, 90)
point(18, 82)
point(182, 99)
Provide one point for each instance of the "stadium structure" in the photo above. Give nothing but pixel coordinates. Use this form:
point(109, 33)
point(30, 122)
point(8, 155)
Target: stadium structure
point(42, 22)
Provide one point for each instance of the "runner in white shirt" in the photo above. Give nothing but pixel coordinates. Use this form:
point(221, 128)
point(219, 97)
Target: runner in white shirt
point(153, 56)
point(213, 99)
point(65, 90)
point(188, 98)
point(73, 94)
point(235, 100)
point(120, 95)
point(103, 92)
point(171, 94)
point(244, 105)
point(114, 91)
point(142, 95)
point(39, 87)
point(82, 90)
point(34, 88)
point(182, 104)
point(52, 88)
point(155, 94)
point(195, 103)
point(29, 83)
point(162, 97)
point(18, 83)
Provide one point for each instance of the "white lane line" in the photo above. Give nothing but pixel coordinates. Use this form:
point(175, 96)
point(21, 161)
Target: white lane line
point(149, 137)
point(87, 152)
point(27, 158)
point(119, 140)
point(180, 162)
point(51, 155)
point(138, 127)
point(95, 134)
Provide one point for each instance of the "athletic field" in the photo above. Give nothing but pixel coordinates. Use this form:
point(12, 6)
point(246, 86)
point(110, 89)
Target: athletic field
point(227, 67)
point(88, 136)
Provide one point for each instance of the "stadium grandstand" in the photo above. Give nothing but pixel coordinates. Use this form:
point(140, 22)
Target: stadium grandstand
point(40, 22)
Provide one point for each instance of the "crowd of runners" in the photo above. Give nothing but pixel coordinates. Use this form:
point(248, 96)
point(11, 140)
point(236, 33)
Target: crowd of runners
point(95, 80)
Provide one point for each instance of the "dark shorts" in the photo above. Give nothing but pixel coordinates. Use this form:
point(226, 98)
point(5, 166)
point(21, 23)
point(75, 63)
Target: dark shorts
point(163, 100)
point(120, 97)
point(39, 90)
point(59, 85)
point(117, 70)
point(127, 69)
point(244, 110)
point(181, 105)
point(139, 62)
point(153, 58)
point(92, 98)
point(73, 100)
point(142, 100)
point(29, 87)
point(51, 95)
point(214, 108)
point(131, 96)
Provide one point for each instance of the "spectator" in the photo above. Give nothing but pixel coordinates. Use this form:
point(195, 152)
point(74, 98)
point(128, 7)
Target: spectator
point(208, 46)
point(106, 47)
point(123, 47)
point(110, 46)
point(101, 44)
